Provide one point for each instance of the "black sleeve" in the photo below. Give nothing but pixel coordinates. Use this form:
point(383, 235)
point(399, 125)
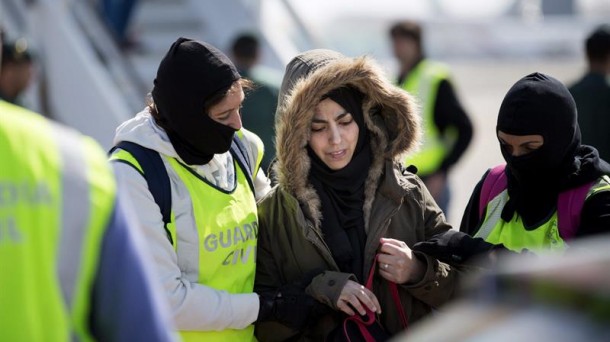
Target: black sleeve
point(471, 218)
point(448, 112)
point(595, 215)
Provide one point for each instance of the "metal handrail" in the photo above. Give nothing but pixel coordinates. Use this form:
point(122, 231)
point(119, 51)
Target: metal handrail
point(13, 14)
point(311, 38)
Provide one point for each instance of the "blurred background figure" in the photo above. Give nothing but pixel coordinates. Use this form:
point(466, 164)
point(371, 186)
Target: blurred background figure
point(117, 15)
point(592, 92)
point(16, 71)
point(258, 109)
point(447, 129)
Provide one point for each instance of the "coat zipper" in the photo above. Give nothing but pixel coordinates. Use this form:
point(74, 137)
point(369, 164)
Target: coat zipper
point(378, 233)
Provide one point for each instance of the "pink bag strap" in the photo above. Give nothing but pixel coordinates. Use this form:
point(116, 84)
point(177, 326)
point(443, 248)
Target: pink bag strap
point(494, 183)
point(569, 207)
point(569, 202)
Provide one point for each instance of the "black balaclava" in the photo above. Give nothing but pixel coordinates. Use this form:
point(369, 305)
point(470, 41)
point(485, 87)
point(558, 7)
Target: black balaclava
point(540, 104)
point(342, 191)
point(189, 74)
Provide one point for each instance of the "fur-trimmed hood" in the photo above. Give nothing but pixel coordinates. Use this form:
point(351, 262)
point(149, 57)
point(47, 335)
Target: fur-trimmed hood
point(390, 115)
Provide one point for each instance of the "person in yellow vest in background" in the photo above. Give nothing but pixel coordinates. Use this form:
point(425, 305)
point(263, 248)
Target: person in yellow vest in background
point(203, 227)
point(446, 126)
point(553, 189)
point(71, 266)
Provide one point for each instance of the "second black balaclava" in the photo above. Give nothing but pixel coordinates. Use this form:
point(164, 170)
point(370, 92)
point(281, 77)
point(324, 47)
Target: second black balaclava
point(538, 104)
point(188, 75)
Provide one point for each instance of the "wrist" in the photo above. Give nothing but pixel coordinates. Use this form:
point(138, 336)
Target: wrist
point(419, 270)
point(265, 308)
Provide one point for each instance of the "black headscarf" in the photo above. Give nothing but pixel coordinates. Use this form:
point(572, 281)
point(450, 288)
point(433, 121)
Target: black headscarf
point(540, 104)
point(342, 191)
point(189, 74)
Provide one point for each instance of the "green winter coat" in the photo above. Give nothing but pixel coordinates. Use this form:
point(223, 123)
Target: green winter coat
point(397, 205)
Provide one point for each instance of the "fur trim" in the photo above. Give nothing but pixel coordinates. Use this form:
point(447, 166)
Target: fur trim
point(390, 114)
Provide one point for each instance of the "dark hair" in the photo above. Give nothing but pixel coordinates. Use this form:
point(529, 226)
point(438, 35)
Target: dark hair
point(407, 29)
point(598, 43)
point(245, 46)
point(218, 96)
point(17, 51)
point(209, 102)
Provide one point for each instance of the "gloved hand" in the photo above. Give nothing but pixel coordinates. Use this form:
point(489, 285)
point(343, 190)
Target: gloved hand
point(288, 305)
point(454, 246)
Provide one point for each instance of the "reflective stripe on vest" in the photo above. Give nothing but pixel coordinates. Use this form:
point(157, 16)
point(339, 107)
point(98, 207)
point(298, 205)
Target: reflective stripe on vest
point(513, 234)
point(260, 151)
point(56, 197)
point(422, 82)
point(226, 235)
point(603, 184)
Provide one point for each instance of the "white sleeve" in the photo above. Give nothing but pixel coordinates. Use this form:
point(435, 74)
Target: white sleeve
point(195, 307)
point(262, 184)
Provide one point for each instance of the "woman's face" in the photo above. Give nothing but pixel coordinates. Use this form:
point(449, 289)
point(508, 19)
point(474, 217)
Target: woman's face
point(334, 134)
point(519, 145)
point(226, 111)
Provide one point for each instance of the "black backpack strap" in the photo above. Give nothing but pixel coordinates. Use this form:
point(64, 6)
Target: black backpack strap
point(156, 177)
point(239, 152)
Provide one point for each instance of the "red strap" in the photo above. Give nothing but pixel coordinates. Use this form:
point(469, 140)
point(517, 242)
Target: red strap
point(361, 326)
point(369, 279)
point(569, 207)
point(494, 183)
point(393, 290)
point(369, 318)
point(401, 312)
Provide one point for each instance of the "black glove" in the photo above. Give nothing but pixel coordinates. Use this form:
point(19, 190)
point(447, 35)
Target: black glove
point(454, 246)
point(288, 305)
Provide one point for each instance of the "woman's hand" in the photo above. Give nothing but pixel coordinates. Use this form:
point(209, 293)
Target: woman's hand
point(356, 296)
point(397, 263)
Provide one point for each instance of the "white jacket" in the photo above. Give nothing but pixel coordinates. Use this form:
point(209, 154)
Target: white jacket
point(195, 306)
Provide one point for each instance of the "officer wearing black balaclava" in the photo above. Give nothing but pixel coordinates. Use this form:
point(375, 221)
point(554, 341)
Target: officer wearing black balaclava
point(189, 74)
point(540, 105)
point(188, 148)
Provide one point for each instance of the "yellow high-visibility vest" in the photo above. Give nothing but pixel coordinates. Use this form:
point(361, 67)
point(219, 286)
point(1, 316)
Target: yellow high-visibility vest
point(227, 227)
point(423, 82)
point(513, 234)
point(57, 193)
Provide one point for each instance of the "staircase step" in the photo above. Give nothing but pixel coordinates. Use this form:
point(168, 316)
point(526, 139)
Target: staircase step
point(156, 16)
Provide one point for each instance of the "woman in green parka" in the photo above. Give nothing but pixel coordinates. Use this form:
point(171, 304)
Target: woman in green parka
point(342, 198)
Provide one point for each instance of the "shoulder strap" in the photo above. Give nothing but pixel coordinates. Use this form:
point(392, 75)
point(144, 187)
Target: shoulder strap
point(569, 207)
point(569, 203)
point(156, 177)
point(240, 153)
point(494, 183)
